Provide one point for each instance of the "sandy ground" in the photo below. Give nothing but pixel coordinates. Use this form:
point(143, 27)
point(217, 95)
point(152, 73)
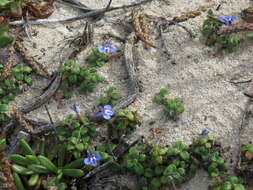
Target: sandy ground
point(202, 80)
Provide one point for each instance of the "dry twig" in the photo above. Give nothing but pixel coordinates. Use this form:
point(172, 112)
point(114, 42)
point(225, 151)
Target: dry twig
point(83, 16)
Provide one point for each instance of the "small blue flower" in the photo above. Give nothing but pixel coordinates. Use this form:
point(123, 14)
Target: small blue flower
point(205, 132)
point(76, 109)
point(107, 48)
point(228, 20)
point(92, 159)
point(106, 112)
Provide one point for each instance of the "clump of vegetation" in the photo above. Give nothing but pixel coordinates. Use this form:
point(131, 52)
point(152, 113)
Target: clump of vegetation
point(76, 76)
point(32, 167)
point(245, 164)
point(156, 166)
point(97, 58)
point(110, 97)
point(11, 87)
point(210, 29)
point(122, 124)
point(13, 8)
point(76, 134)
point(173, 107)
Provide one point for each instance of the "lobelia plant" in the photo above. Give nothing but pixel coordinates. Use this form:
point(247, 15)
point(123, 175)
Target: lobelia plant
point(211, 28)
point(76, 76)
point(100, 55)
point(206, 152)
point(173, 107)
point(155, 165)
point(77, 134)
point(123, 124)
point(158, 166)
point(97, 58)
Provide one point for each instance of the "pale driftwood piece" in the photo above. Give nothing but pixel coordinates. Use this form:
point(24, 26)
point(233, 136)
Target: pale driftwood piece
point(83, 16)
point(130, 68)
point(38, 101)
point(167, 51)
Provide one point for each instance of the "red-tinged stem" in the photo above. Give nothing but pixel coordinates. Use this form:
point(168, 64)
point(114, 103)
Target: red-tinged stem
point(237, 28)
point(248, 95)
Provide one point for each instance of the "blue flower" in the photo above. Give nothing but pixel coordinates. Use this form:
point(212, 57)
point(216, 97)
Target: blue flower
point(205, 132)
point(228, 20)
point(92, 159)
point(76, 109)
point(107, 48)
point(106, 112)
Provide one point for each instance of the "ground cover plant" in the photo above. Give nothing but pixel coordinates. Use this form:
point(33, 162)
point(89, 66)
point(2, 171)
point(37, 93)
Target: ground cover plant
point(84, 79)
point(173, 107)
point(91, 147)
point(222, 33)
point(11, 87)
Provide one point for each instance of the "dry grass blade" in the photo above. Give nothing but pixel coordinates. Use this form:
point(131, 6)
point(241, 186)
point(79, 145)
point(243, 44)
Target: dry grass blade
point(18, 115)
point(6, 178)
point(191, 14)
point(142, 27)
point(8, 66)
point(236, 28)
point(36, 66)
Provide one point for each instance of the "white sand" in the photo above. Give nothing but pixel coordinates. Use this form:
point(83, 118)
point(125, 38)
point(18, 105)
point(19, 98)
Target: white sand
point(202, 80)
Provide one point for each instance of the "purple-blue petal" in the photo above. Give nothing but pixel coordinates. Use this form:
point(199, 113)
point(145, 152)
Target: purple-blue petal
point(99, 113)
point(76, 109)
point(107, 107)
point(107, 50)
point(107, 117)
point(93, 162)
point(98, 157)
point(113, 48)
point(87, 161)
point(228, 20)
point(109, 112)
point(101, 49)
point(205, 132)
point(91, 154)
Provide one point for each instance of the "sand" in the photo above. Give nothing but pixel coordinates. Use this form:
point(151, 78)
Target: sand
point(200, 79)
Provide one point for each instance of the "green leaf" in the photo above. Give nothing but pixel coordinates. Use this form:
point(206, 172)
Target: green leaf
point(116, 96)
point(5, 40)
point(155, 183)
point(148, 172)
point(27, 69)
point(185, 155)
point(80, 147)
point(129, 164)
point(4, 2)
point(4, 27)
point(2, 142)
point(239, 187)
point(164, 91)
point(249, 35)
point(72, 79)
point(139, 169)
point(4, 107)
